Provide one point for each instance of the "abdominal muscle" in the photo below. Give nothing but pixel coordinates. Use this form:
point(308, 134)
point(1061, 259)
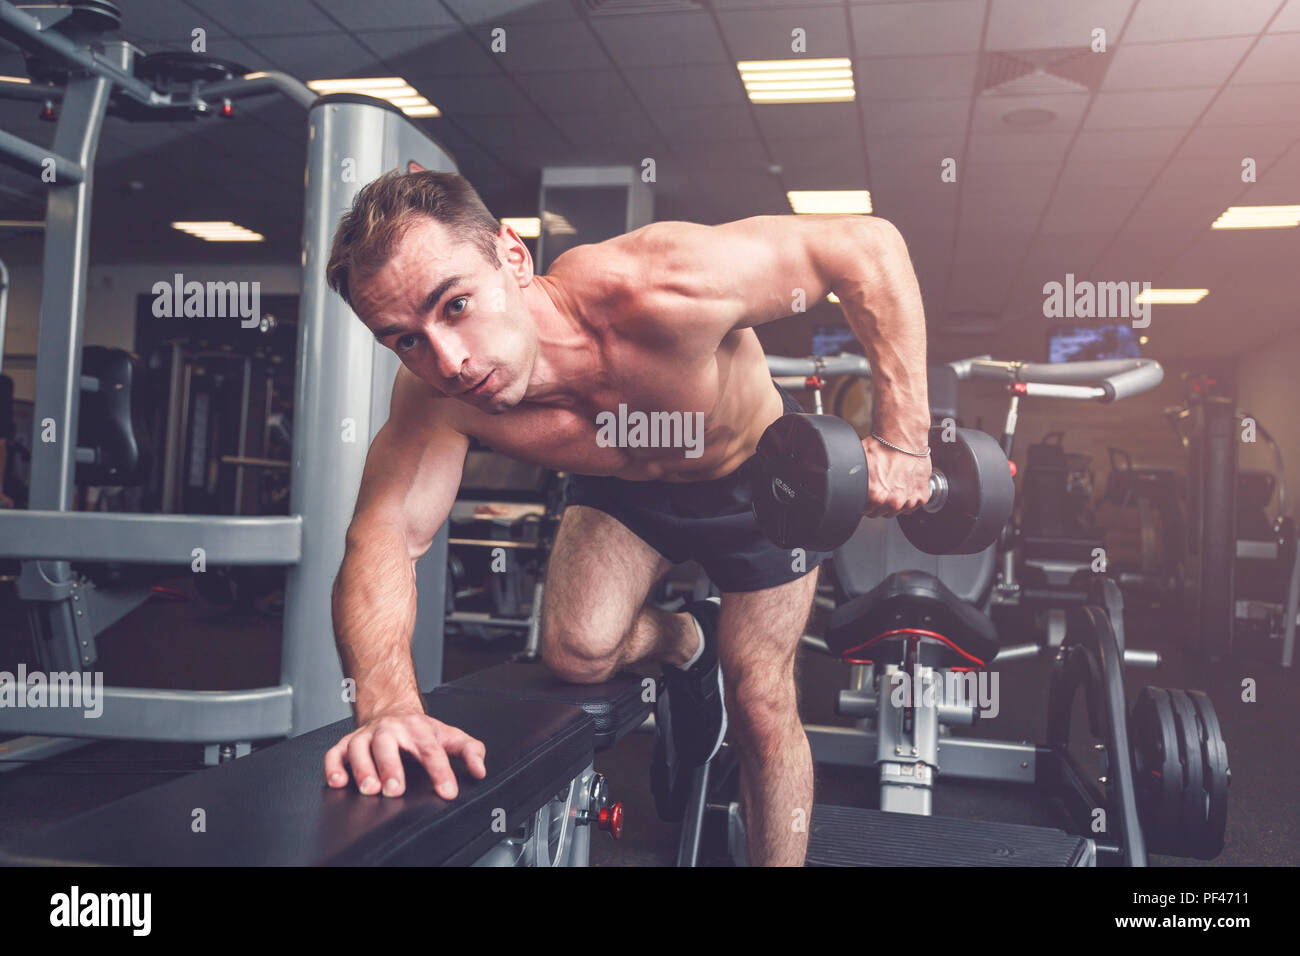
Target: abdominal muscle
point(731, 395)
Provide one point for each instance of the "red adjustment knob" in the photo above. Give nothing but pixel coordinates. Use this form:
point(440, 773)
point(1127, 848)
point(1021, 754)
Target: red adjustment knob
point(227, 110)
point(47, 113)
point(610, 819)
point(1013, 467)
point(1019, 388)
point(812, 381)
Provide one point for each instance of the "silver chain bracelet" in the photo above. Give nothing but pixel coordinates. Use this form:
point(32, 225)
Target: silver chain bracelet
point(914, 454)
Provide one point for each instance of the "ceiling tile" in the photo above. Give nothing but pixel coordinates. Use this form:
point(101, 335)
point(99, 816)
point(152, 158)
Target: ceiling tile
point(165, 20)
point(810, 122)
point(439, 51)
point(1113, 144)
point(511, 11)
point(1246, 105)
point(1152, 66)
point(677, 39)
point(1047, 24)
point(265, 19)
point(1008, 177)
point(578, 91)
point(623, 127)
point(918, 27)
point(1092, 211)
point(915, 117)
point(914, 77)
point(486, 95)
point(388, 14)
point(927, 152)
point(537, 47)
point(707, 124)
point(1090, 177)
point(328, 55)
point(687, 86)
point(1275, 59)
point(1016, 147)
point(1288, 19)
point(764, 34)
point(1180, 20)
point(1147, 109)
point(835, 164)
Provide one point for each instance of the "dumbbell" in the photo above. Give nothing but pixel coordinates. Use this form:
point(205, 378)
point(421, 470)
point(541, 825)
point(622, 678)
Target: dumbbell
point(810, 487)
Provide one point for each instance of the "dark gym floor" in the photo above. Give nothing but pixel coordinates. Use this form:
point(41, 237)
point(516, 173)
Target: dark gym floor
point(193, 645)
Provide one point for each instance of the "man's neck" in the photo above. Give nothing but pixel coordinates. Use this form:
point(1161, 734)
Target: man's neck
point(568, 356)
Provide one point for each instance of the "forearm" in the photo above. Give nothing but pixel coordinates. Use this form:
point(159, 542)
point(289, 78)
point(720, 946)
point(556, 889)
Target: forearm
point(374, 604)
point(882, 302)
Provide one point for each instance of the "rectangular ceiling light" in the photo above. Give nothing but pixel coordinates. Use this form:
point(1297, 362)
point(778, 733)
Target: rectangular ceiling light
point(829, 201)
point(394, 89)
point(1258, 217)
point(22, 224)
point(798, 81)
point(1171, 296)
point(525, 228)
point(218, 231)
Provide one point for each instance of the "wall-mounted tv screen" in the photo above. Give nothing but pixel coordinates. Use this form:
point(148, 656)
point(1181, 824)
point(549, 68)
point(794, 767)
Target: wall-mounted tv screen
point(1083, 343)
point(834, 339)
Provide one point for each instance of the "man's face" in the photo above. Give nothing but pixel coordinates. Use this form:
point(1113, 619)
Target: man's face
point(453, 319)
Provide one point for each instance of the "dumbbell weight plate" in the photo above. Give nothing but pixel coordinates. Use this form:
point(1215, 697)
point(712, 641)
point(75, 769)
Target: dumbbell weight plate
point(813, 486)
point(1194, 798)
point(1205, 842)
point(981, 494)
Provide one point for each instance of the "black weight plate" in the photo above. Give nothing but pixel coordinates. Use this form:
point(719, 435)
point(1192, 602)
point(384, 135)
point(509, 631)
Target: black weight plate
point(1157, 770)
point(810, 482)
point(1195, 798)
point(981, 494)
point(1218, 776)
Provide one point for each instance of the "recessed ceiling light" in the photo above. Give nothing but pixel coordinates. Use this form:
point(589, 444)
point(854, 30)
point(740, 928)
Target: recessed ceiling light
point(225, 231)
point(1258, 217)
point(829, 201)
point(798, 81)
point(394, 89)
point(1171, 296)
point(524, 227)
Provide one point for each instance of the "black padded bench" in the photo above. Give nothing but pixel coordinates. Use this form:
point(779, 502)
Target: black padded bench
point(273, 808)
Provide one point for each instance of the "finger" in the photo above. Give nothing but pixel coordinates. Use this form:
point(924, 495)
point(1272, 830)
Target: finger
point(434, 760)
point(363, 767)
point(469, 749)
point(336, 774)
point(387, 751)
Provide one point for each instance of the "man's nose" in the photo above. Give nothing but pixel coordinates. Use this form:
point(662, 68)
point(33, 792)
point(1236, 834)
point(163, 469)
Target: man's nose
point(450, 356)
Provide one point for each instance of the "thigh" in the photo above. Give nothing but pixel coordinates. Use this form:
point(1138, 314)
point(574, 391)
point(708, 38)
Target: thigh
point(598, 577)
point(758, 637)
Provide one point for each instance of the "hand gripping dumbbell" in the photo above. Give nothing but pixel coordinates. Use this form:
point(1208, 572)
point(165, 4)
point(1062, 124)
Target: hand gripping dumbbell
point(810, 487)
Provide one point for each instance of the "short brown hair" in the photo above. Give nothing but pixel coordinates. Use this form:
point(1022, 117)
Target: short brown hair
point(386, 208)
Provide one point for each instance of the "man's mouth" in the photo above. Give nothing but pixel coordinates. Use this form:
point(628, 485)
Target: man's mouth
point(480, 387)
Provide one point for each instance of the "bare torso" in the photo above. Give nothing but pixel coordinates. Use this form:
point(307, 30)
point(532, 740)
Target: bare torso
point(728, 382)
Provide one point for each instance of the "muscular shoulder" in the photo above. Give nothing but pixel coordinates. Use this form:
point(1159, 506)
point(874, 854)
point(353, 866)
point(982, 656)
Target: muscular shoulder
point(642, 284)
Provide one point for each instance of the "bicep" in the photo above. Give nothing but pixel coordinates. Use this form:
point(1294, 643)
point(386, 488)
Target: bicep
point(413, 467)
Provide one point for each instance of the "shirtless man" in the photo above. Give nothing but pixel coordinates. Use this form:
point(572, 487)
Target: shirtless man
point(658, 319)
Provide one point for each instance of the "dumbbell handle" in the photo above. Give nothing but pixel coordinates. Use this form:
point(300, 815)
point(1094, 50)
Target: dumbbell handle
point(938, 491)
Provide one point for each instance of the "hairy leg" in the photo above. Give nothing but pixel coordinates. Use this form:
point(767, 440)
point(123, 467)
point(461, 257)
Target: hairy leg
point(758, 639)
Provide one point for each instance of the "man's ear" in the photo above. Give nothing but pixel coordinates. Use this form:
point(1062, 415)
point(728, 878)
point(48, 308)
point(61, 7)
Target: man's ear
point(518, 261)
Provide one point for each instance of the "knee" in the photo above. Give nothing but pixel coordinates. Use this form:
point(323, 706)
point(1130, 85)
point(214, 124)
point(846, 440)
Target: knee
point(762, 710)
point(579, 655)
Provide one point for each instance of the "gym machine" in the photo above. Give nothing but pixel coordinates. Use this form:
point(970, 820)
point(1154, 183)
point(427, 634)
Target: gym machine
point(917, 636)
point(1244, 572)
point(342, 387)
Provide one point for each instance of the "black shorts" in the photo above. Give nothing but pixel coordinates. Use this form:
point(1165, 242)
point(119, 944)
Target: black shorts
point(711, 522)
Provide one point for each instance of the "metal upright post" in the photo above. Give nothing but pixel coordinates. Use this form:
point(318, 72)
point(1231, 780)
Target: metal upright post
point(344, 380)
point(58, 357)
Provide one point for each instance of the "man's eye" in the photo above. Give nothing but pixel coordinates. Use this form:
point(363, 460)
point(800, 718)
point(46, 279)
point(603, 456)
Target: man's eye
point(458, 304)
point(405, 343)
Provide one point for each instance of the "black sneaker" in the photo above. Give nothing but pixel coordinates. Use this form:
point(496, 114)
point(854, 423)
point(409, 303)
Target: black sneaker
point(690, 718)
